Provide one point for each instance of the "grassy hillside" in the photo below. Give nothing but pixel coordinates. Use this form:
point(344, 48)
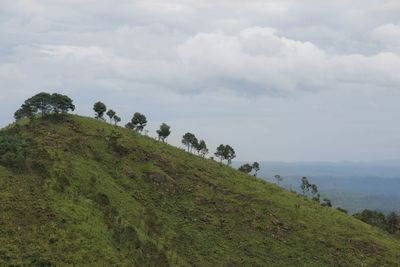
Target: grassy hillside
point(85, 193)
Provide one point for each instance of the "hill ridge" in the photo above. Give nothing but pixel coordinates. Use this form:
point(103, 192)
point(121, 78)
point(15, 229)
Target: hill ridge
point(83, 192)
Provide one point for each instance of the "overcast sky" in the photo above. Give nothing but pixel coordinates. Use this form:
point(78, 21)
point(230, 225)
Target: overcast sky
point(284, 80)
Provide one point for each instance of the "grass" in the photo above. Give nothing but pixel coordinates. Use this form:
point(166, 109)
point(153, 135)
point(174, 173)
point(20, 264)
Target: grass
point(80, 199)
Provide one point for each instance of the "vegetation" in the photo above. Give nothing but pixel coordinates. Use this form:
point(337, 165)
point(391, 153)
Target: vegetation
point(81, 192)
point(225, 152)
point(99, 108)
point(138, 122)
point(389, 223)
point(45, 104)
point(103, 195)
point(164, 132)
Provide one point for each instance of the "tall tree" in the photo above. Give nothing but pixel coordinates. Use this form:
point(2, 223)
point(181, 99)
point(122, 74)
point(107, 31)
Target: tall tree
point(139, 121)
point(61, 103)
point(99, 108)
point(44, 104)
point(189, 140)
point(202, 148)
point(111, 113)
point(164, 132)
point(220, 152)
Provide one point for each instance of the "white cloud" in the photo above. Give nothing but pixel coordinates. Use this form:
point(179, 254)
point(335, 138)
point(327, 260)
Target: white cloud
point(275, 72)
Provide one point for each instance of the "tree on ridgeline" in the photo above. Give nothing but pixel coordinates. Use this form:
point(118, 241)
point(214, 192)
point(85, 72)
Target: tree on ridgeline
point(99, 108)
point(305, 185)
point(246, 168)
point(111, 113)
point(138, 122)
point(202, 148)
point(225, 152)
point(256, 168)
point(164, 132)
point(190, 141)
point(45, 104)
point(116, 119)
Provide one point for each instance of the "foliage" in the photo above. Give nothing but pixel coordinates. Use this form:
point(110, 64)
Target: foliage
point(154, 205)
point(190, 141)
point(256, 168)
point(164, 132)
point(99, 108)
point(225, 152)
point(246, 168)
point(138, 122)
point(44, 104)
point(111, 113)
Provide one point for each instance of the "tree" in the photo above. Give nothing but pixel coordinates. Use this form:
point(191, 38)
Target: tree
point(116, 119)
point(229, 154)
point(139, 121)
point(392, 222)
point(202, 148)
point(111, 113)
point(225, 152)
point(189, 140)
point(220, 152)
point(164, 132)
point(61, 103)
point(327, 202)
point(246, 168)
point(99, 108)
point(305, 185)
point(44, 104)
point(256, 168)
point(278, 178)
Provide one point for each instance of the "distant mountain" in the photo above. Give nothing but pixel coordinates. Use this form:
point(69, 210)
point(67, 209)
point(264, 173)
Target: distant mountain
point(80, 192)
point(351, 185)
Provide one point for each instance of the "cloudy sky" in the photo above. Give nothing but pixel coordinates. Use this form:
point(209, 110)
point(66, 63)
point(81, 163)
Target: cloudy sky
point(283, 80)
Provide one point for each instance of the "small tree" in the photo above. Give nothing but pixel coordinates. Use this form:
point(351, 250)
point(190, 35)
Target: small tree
point(116, 119)
point(246, 168)
point(99, 108)
point(256, 168)
point(305, 185)
point(164, 132)
point(327, 202)
point(111, 113)
point(220, 152)
point(139, 121)
point(202, 148)
point(225, 152)
point(278, 178)
point(189, 140)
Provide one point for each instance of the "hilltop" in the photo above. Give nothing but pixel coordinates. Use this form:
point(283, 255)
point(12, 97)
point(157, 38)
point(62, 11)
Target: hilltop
point(81, 192)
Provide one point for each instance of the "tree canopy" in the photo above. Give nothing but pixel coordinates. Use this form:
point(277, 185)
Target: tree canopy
point(99, 108)
point(225, 152)
point(164, 132)
point(44, 104)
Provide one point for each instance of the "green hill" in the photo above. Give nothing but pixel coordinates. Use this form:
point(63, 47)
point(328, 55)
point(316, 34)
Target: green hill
point(81, 192)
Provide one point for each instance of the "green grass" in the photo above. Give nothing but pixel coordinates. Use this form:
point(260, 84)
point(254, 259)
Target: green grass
point(80, 200)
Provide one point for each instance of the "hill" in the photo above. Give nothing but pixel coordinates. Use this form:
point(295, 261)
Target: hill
point(81, 192)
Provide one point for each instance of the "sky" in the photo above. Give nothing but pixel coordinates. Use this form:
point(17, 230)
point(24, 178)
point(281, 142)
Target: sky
point(283, 80)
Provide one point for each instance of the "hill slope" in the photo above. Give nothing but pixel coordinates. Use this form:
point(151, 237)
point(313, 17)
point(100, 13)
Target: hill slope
point(84, 193)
